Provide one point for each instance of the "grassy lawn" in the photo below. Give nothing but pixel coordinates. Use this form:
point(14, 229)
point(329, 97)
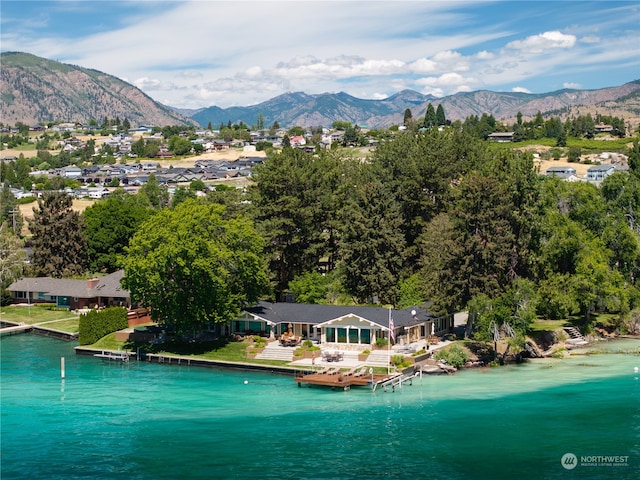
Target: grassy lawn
point(70, 325)
point(548, 325)
point(109, 343)
point(213, 350)
point(34, 315)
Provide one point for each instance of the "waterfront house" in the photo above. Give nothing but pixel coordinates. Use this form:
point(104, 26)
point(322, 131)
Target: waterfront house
point(73, 294)
point(341, 327)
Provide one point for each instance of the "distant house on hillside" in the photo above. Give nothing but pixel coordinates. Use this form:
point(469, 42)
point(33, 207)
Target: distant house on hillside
point(501, 137)
point(565, 172)
point(598, 173)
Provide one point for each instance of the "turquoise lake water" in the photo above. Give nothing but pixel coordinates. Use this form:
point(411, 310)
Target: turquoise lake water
point(149, 421)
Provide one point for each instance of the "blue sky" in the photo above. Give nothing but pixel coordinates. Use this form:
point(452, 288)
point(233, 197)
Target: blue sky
point(194, 54)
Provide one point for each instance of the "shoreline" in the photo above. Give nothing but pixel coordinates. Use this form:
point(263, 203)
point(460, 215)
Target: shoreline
point(181, 360)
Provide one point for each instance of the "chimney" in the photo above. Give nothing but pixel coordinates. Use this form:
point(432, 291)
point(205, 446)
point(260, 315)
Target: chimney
point(91, 284)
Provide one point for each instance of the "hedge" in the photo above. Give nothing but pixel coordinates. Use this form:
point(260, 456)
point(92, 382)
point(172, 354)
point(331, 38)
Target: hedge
point(98, 323)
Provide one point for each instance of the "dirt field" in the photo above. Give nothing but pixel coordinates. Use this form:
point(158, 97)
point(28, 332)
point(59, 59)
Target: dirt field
point(581, 169)
point(26, 210)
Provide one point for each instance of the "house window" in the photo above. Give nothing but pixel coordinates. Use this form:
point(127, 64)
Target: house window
point(353, 335)
point(255, 326)
point(342, 335)
point(331, 334)
point(365, 335)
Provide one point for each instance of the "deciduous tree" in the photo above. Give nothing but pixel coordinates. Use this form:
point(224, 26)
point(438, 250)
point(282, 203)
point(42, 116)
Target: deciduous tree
point(110, 224)
point(193, 267)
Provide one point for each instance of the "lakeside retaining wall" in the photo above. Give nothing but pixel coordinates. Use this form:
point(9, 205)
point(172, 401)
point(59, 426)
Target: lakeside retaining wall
point(195, 362)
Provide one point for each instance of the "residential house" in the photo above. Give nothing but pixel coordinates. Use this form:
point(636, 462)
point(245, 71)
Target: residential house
point(598, 173)
point(501, 137)
point(70, 171)
point(564, 172)
point(73, 294)
point(343, 327)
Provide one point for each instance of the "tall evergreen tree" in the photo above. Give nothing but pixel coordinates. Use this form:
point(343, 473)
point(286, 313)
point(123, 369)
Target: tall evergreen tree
point(294, 206)
point(408, 117)
point(372, 246)
point(481, 219)
point(59, 244)
point(441, 119)
point(430, 119)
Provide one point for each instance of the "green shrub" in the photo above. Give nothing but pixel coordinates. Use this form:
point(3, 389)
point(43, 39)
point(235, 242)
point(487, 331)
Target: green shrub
point(397, 360)
point(453, 355)
point(98, 323)
point(382, 342)
point(48, 306)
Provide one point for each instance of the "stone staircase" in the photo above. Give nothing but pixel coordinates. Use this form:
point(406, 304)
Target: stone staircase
point(378, 358)
point(274, 351)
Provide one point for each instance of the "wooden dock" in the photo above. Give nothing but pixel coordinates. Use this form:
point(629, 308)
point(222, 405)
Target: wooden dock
point(341, 380)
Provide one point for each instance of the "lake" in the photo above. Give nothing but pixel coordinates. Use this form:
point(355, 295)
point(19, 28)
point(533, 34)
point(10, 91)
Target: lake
point(148, 421)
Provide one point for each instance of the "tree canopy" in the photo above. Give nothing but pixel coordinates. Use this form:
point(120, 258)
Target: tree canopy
point(194, 267)
point(110, 223)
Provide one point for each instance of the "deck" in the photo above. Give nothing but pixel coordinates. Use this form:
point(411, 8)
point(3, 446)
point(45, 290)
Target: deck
point(342, 380)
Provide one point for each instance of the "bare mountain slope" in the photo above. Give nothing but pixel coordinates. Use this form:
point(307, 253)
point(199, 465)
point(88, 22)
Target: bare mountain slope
point(34, 89)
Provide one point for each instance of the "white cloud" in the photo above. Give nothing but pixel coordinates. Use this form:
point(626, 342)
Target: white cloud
point(253, 72)
point(435, 91)
point(545, 41)
point(146, 83)
point(572, 85)
point(484, 55)
point(590, 39)
point(423, 65)
point(450, 79)
point(337, 67)
point(520, 90)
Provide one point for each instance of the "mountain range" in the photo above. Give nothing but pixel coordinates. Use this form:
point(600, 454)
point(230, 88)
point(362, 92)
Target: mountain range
point(34, 90)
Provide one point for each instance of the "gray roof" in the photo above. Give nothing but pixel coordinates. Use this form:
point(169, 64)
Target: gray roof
point(316, 314)
point(605, 167)
point(107, 286)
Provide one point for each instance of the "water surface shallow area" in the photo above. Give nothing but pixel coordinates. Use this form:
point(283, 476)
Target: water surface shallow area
point(149, 421)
